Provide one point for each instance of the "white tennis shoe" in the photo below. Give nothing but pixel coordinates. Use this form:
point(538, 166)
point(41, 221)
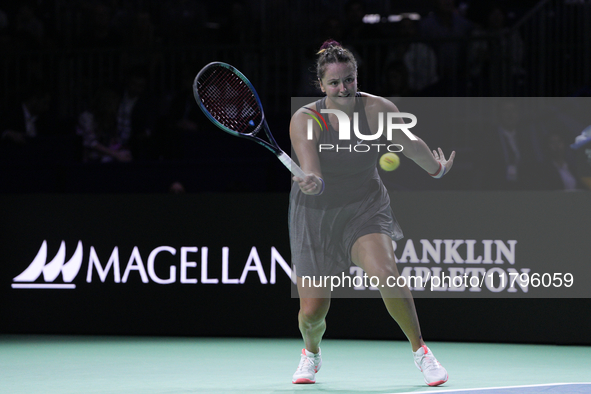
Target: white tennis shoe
point(310, 363)
point(432, 370)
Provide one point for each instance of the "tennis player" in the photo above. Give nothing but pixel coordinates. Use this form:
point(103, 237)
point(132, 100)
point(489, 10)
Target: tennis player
point(340, 212)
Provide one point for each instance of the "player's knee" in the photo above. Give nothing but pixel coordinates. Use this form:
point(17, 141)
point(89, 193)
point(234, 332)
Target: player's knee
point(314, 311)
point(382, 271)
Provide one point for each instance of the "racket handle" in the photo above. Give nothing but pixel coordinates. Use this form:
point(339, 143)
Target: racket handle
point(291, 165)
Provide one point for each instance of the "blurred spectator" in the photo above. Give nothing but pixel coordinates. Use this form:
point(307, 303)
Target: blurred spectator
point(29, 30)
point(99, 30)
point(331, 28)
point(355, 29)
point(98, 129)
point(396, 81)
point(27, 119)
point(356, 34)
point(419, 58)
point(240, 26)
point(141, 47)
point(180, 122)
point(100, 42)
point(177, 188)
point(582, 149)
point(306, 80)
point(559, 171)
point(5, 38)
point(136, 115)
point(3, 20)
point(242, 29)
point(306, 83)
point(509, 151)
point(448, 28)
point(499, 51)
point(183, 21)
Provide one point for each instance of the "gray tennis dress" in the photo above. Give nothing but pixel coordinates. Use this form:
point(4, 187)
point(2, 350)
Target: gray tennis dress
point(354, 203)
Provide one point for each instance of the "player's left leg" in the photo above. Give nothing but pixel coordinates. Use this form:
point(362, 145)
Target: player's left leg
point(375, 255)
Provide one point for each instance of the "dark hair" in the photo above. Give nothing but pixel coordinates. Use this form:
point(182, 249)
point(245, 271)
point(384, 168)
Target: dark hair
point(332, 52)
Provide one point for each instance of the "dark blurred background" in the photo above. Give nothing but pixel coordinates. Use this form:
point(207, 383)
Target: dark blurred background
point(96, 96)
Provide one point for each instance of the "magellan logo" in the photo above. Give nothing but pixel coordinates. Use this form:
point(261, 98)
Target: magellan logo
point(181, 271)
point(51, 270)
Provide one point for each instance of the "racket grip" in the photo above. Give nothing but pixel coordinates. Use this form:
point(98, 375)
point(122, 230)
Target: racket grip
point(291, 165)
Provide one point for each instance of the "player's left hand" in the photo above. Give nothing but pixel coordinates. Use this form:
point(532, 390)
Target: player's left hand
point(440, 157)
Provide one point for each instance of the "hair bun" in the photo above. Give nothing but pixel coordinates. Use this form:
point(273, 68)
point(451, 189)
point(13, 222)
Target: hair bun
point(329, 43)
point(330, 52)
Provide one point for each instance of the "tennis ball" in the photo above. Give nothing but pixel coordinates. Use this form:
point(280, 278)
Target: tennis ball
point(389, 161)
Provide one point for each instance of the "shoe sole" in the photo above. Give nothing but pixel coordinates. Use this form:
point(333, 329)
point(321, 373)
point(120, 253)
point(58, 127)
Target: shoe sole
point(303, 381)
point(432, 384)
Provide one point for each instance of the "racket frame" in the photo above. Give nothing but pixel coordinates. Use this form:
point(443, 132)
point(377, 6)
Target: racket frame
point(272, 146)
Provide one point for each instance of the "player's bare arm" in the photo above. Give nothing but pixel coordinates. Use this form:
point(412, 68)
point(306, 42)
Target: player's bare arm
point(305, 150)
point(416, 150)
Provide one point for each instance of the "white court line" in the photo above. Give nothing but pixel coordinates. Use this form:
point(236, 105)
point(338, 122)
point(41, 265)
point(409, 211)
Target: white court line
point(43, 286)
point(435, 390)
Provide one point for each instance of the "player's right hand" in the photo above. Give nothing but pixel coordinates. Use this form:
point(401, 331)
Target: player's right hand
point(311, 184)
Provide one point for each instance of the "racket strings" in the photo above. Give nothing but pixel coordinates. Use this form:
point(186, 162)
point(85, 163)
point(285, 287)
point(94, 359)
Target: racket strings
point(229, 100)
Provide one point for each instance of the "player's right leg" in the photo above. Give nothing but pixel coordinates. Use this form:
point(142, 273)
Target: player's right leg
point(314, 305)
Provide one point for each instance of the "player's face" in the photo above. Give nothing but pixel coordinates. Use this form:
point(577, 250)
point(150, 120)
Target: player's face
point(339, 82)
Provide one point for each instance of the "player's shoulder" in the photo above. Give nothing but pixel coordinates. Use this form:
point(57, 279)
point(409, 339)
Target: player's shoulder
point(303, 110)
point(307, 107)
point(378, 103)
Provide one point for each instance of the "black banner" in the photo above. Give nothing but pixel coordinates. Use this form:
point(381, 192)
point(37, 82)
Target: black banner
point(219, 264)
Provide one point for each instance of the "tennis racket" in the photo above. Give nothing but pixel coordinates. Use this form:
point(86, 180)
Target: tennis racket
point(230, 101)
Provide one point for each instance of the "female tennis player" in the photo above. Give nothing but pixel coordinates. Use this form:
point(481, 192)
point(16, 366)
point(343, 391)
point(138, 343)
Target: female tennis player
point(340, 212)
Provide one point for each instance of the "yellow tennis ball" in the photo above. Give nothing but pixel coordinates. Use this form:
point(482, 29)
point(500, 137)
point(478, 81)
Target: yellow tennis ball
point(389, 161)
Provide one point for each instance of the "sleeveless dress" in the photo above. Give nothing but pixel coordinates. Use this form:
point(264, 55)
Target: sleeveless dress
point(354, 203)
